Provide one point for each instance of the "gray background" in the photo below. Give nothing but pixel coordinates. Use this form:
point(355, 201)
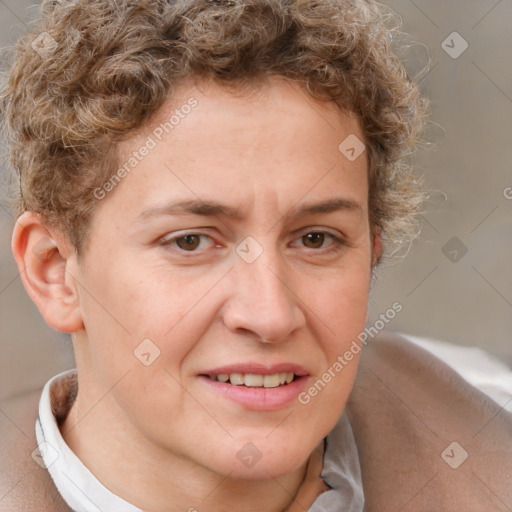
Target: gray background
point(467, 301)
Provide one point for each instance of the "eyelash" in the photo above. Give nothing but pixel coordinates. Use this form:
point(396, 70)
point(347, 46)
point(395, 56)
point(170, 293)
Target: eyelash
point(336, 245)
point(166, 242)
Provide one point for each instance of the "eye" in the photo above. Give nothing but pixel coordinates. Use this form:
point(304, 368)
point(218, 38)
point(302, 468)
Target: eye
point(319, 240)
point(314, 240)
point(189, 242)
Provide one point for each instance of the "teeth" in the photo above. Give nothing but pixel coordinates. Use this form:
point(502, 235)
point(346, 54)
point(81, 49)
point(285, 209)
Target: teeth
point(255, 381)
point(271, 381)
point(250, 379)
point(236, 378)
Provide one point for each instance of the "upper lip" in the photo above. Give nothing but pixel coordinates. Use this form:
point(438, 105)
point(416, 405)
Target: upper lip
point(258, 369)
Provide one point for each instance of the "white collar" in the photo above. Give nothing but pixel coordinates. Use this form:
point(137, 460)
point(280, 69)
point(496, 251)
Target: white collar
point(83, 492)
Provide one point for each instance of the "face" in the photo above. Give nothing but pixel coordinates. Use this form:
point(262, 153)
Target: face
point(238, 247)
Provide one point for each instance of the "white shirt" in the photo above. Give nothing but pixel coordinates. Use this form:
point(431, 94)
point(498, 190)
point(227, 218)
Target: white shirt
point(83, 492)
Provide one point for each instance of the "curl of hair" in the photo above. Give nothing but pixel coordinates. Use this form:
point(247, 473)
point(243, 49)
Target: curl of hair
point(112, 64)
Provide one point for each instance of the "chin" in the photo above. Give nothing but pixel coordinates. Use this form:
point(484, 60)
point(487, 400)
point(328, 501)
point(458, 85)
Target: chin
point(262, 470)
point(259, 460)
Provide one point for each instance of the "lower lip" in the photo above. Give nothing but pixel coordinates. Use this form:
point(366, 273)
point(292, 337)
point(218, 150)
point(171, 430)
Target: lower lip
point(259, 399)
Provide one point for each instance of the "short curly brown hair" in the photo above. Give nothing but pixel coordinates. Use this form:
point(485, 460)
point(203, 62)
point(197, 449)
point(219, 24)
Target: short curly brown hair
point(110, 65)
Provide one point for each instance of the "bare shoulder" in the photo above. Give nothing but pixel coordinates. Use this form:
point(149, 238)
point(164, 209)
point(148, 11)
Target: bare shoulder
point(24, 484)
point(426, 437)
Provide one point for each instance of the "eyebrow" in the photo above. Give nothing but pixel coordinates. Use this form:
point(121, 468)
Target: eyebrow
point(327, 206)
point(194, 207)
point(215, 209)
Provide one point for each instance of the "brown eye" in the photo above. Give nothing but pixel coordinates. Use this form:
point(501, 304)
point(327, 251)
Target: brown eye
point(314, 240)
point(188, 242)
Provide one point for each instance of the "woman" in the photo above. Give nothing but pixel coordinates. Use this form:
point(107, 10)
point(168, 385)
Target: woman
point(206, 189)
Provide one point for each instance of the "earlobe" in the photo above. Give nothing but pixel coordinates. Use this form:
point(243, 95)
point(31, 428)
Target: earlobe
point(43, 257)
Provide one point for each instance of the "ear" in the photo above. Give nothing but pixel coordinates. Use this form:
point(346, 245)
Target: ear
point(44, 256)
point(376, 246)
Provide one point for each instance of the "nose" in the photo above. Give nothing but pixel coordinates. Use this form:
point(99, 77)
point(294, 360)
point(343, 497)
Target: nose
point(262, 302)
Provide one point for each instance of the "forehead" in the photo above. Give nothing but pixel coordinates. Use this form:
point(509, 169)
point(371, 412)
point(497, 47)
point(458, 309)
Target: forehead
point(273, 104)
point(275, 143)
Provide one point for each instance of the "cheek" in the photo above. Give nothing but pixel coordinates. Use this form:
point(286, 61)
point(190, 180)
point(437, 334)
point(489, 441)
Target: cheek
point(137, 300)
point(346, 314)
point(341, 306)
point(119, 310)
point(340, 302)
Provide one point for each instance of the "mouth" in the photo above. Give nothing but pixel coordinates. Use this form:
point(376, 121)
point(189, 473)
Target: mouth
point(254, 380)
point(255, 386)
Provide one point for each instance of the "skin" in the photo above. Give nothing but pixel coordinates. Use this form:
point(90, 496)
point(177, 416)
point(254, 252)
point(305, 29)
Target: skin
point(158, 434)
